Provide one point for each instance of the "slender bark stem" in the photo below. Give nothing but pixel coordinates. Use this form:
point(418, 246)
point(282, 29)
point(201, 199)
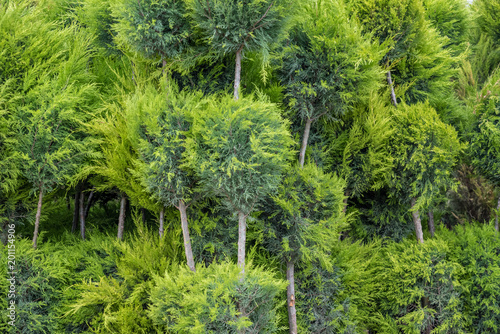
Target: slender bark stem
point(417, 222)
point(290, 294)
point(242, 236)
point(432, 227)
point(143, 215)
point(162, 217)
point(89, 203)
point(305, 138)
point(76, 210)
point(82, 216)
point(393, 95)
point(237, 74)
point(496, 215)
point(187, 239)
point(37, 218)
point(121, 218)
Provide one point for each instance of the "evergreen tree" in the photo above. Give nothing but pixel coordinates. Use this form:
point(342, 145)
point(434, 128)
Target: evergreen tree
point(162, 147)
point(238, 150)
point(484, 150)
point(50, 96)
point(425, 151)
point(327, 65)
point(301, 220)
point(230, 27)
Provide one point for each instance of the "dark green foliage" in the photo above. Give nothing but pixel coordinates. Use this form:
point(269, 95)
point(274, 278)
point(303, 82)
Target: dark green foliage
point(327, 64)
point(209, 300)
point(154, 28)
point(227, 26)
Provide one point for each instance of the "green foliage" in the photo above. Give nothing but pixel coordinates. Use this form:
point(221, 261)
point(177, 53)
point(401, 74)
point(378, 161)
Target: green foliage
point(154, 28)
point(208, 301)
point(425, 150)
point(420, 287)
point(305, 214)
point(358, 150)
point(238, 149)
point(327, 64)
point(227, 26)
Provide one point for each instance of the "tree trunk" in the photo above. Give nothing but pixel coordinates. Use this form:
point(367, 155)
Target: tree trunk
point(162, 217)
point(496, 215)
point(290, 294)
point(76, 210)
point(82, 216)
point(432, 227)
point(89, 204)
point(242, 236)
point(143, 215)
point(237, 74)
point(393, 95)
point(305, 138)
point(417, 222)
point(37, 218)
point(187, 239)
point(121, 219)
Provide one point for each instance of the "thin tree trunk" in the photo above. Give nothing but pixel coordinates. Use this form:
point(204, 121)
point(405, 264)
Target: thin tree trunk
point(290, 294)
point(121, 219)
point(76, 210)
point(432, 227)
point(89, 204)
point(82, 216)
point(237, 74)
point(496, 216)
point(305, 138)
point(242, 236)
point(37, 218)
point(187, 239)
point(143, 214)
point(417, 222)
point(393, 95)
point(162, 218)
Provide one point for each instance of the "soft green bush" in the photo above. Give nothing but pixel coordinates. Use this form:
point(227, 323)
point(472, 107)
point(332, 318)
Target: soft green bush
point(209, 300)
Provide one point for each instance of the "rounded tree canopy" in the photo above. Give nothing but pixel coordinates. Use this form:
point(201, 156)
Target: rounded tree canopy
point(238, 149)
point(425, 150)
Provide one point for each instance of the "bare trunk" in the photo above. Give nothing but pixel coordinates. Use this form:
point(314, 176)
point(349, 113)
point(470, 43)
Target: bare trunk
point(76, 210)
point(121, 219)
point(393, 95)
point(37, 218)
point(432, 228)
point(82, 216)
point(417, 222)
point(162, 217)
point(242, 236)
point(187, 239)
point(290, 294)
point(496, 215)
point(305, 138)
point(89, 204)
point(237, 74)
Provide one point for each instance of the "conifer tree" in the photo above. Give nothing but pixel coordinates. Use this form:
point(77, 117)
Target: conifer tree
point(238, 150)
point(230, 27)
point(327, 65)
point(162, 146)
point(484, 150)
point(47, 66)
point(301, 220)
point(425, 151)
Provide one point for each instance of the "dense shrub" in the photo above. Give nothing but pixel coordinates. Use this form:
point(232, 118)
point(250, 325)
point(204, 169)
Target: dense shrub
point(210, 300)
